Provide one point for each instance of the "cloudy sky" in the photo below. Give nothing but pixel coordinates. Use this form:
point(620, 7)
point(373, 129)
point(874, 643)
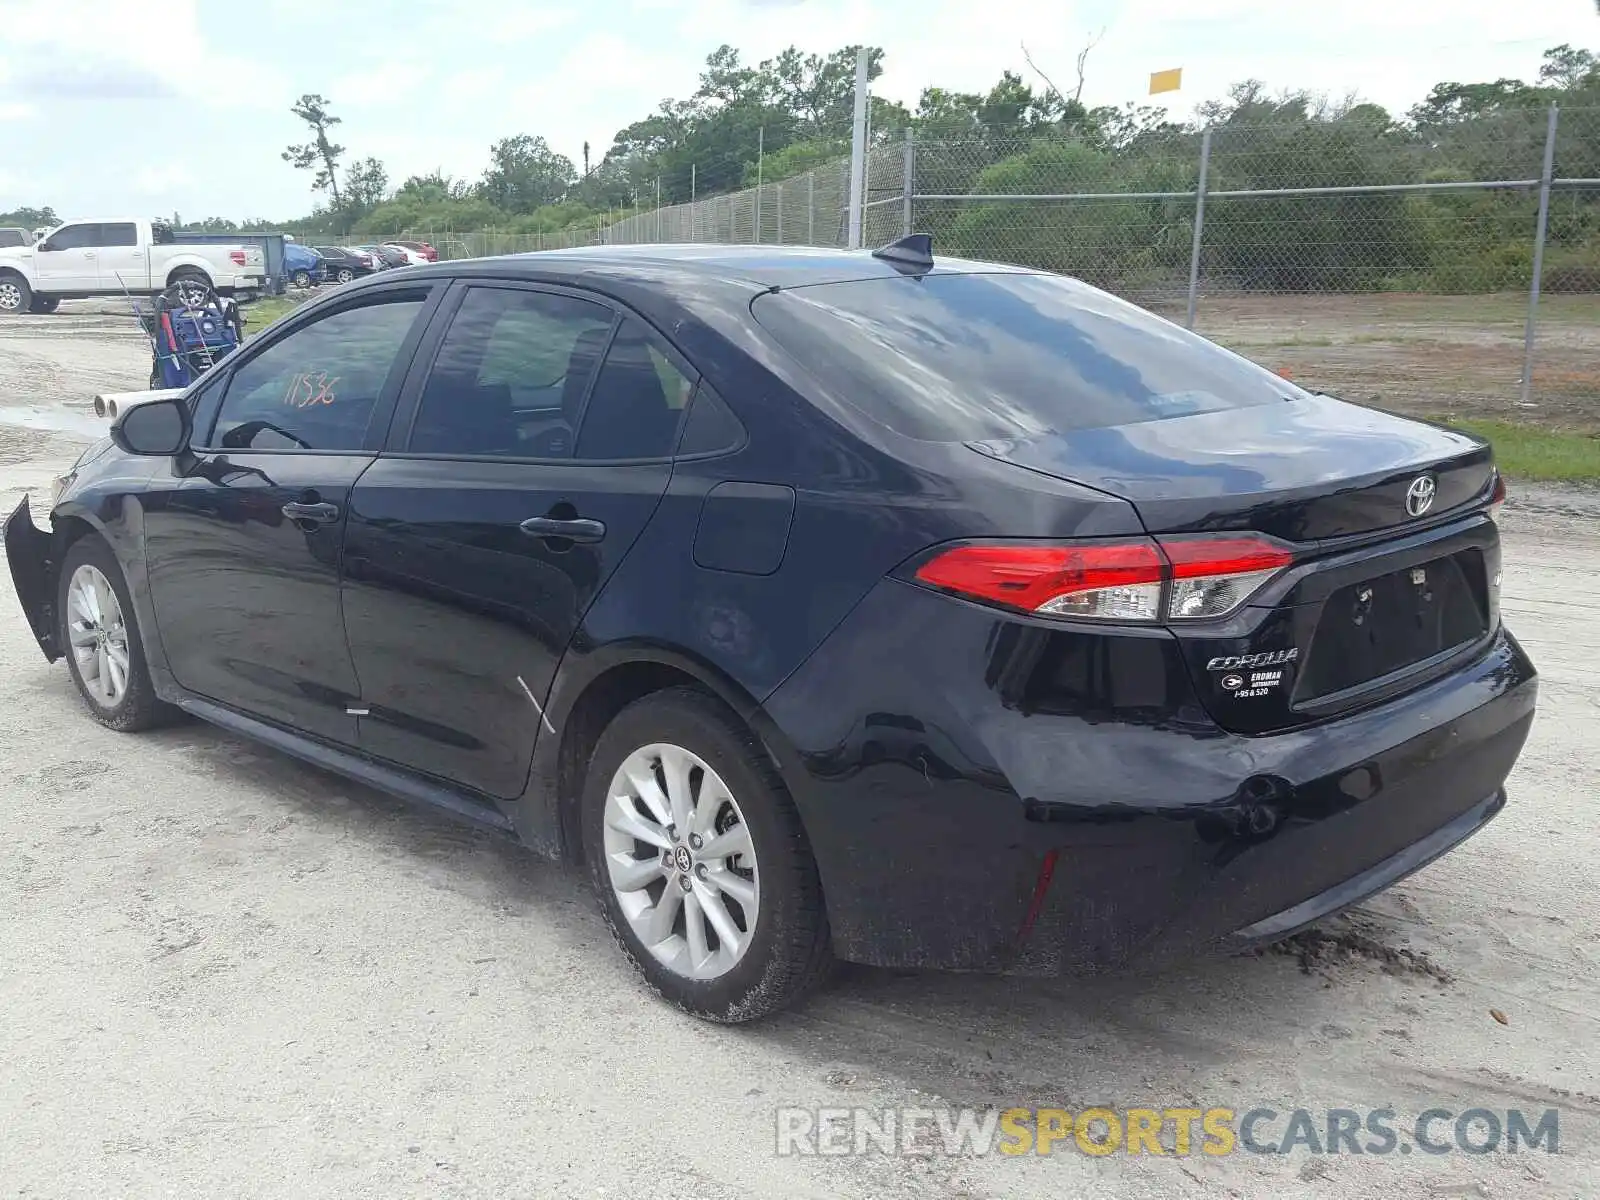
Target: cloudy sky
point(157, 106)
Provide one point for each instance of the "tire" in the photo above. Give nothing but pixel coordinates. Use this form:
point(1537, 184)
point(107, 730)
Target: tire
point(301, 279)
point(345, 275)
point(15, 295)
point(190, 281)
point(780, 950)
point(44, 304)
point(135, 706)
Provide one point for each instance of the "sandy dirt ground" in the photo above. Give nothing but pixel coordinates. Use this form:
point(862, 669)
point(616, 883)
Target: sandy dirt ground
point(226, 974)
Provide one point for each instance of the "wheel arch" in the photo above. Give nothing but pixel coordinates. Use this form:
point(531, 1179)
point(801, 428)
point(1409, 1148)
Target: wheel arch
point(190, 270)
point(589, 691)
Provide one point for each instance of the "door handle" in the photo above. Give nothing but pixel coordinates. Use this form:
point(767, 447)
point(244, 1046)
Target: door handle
point(318, 514)
point(574, 529)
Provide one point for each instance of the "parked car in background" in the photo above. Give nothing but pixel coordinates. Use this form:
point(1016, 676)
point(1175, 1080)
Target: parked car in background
point(304, 267)
point(422, 248)
point(113, 256)
point(342, 264)
point(414, 258)
point(916, 611)
point(389, 256)
point(11, 236)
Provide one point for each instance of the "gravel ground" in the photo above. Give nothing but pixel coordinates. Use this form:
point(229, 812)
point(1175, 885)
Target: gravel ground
point(225, 973)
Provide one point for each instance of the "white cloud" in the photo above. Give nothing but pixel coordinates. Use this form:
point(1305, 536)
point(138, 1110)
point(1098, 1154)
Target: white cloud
point(380, 85)
point(15, 110)
point(163, 179)
point(134, 49)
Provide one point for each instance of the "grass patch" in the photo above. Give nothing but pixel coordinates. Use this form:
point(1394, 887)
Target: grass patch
point(261, 313)
point(1526, 452)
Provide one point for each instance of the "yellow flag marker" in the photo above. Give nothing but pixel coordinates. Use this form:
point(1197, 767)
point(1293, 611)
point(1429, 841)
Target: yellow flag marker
point(1166, 81)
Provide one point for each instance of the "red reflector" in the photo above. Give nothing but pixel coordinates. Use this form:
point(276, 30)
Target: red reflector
point(1198, 557)
point(1027, 577)
point(1499, 496)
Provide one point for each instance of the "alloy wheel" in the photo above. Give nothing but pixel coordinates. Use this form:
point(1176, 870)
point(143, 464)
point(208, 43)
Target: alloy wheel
point(10, 296)
point(680, 861)
point(98, 635)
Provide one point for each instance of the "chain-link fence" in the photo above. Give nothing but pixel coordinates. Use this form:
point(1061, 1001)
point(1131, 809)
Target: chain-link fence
point(1392, 265)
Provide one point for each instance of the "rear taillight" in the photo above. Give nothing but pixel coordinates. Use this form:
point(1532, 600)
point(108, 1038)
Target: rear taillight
point(236, 257)
point(1137, 579)
point(1116, 581)
point(1497, 498)
point(1212, 576)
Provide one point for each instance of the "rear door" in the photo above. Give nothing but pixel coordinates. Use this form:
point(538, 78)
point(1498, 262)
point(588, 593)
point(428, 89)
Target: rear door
point(243, 542)
point(122, 263)
point(524, 464)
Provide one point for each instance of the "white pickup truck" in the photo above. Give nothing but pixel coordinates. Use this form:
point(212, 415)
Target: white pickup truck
point(109, 256)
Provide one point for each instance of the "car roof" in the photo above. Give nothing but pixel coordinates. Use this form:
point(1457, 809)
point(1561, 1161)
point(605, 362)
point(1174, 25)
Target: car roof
point(758, 266)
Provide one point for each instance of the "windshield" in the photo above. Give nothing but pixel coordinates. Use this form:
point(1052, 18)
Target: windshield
point(952, 357)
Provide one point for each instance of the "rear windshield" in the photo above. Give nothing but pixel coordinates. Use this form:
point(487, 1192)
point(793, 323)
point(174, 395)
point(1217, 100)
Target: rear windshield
point(967, 357)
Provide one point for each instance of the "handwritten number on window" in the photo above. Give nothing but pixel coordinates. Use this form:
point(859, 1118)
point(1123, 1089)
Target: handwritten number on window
point(311, 387)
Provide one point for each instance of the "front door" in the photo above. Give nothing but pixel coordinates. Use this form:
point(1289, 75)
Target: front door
point(244, 547)
point(534, 458)
point(66, 260)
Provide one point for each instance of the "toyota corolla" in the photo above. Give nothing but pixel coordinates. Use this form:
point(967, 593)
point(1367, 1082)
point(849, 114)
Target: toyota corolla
point(883, 607)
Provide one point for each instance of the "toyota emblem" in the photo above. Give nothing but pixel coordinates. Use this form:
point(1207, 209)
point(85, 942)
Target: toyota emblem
point(1419, 496)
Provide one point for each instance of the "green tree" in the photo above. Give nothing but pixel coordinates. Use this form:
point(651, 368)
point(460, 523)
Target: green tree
point(31, 218)
point(320, 155)
point(525, 174)
point(365, 182)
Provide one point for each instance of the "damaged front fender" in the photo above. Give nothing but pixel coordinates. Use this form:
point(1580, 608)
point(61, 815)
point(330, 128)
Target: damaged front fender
point(28, 551)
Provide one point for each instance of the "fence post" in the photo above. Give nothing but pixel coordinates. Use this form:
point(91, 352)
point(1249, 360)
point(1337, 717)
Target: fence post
point(761, 159)
point(811, 207)
point(1538, 252)
point(858, 154)
point(905, 186)
point(1199, 227)
point(780, 214)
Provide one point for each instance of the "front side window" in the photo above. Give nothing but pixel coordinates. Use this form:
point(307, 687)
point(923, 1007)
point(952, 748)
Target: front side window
point(511, 374)
point(316, 388)
point(638, 400)
point(72, 237)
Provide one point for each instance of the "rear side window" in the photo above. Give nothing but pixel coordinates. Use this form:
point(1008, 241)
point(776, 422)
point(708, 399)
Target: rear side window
point(1005, 355)
point(315, 388)
point(12, 237)
point(119, 233)
point(638, 398)
point(511, 374)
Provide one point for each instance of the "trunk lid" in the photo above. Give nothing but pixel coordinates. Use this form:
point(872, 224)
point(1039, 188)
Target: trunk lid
point(1382, 597)
point(1303, 470)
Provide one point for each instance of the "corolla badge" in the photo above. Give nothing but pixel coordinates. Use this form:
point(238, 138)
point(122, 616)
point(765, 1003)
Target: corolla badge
point(1419, 496)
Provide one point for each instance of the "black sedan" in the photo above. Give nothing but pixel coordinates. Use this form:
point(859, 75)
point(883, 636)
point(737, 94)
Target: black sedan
point(343, 265)
point(907, 611)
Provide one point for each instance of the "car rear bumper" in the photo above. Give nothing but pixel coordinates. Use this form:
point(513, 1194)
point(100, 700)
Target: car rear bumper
point(28, 556)
point(965, 816)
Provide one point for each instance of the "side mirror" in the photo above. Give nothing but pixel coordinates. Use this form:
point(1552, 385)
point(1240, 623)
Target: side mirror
point(156, 428)
point(45, 244)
